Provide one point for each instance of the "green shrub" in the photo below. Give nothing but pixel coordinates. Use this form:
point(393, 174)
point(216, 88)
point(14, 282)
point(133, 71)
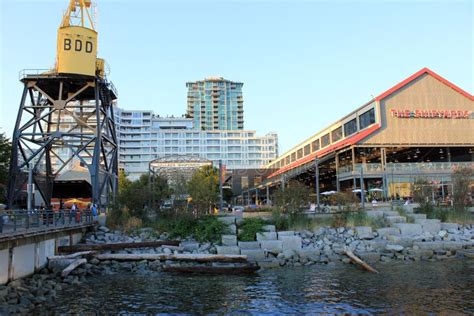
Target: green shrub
point(250, 227)
point(203, 229)
point(280, 221)
point(209, 228)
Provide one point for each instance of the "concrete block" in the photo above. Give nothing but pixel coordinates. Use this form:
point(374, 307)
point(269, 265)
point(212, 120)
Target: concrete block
point(266, 236)
point(417, 216)
point(286, 233)
point(229, 240)
point(364, 232)
point(4, 262)
point(23, 261)
point(273, 246)
point(409, 229)
point(189, 245)
point(291, 242)
point(269, 228)
point(253, 254)
point(374, 214)
point(390, 213)
point(449, 226)
point(229, 220)
point(233, 229)
point(228, 250)
point(385, 231)
point(249, 245)
point(396, 219)
point(432, 226)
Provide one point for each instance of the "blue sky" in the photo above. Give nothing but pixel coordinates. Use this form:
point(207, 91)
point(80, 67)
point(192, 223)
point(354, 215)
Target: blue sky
point(304, 64)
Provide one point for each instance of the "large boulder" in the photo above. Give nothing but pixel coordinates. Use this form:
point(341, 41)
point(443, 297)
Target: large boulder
point(364, 232)
point(273, 246)
point(409, 229)
point(292, 243)
point(266, 236)
point(432, 226)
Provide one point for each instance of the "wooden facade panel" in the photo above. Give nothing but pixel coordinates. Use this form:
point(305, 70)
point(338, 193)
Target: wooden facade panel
point(424, 93)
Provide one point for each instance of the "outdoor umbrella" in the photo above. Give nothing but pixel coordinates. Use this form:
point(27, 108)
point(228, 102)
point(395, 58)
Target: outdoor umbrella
point(375, 190)
point(328, 193)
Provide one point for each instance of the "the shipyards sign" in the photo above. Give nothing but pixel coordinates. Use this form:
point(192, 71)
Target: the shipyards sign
point(431, 114)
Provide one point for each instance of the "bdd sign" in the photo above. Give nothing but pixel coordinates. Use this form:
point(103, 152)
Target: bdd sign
point(78, 45)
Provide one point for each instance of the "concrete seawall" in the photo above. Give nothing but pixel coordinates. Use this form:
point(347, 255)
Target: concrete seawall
point(23, 254)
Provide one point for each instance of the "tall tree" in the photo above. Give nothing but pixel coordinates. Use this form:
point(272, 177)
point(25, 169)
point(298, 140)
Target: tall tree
point(5, 154)
point(463, 179)
point(204, 188)
point(293, 198)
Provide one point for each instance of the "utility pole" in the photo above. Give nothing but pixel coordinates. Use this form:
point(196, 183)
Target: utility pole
point(316, 175)
point(220, 187)
point(362, 193)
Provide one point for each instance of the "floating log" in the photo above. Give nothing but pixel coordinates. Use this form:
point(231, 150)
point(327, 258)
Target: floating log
point(358, 261)
point(74, 255)
point(117, 246)
point(72, 266)
point(212, 270)
point(177, 257)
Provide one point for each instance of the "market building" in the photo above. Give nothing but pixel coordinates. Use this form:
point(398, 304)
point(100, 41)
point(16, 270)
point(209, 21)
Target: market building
point(421, 127)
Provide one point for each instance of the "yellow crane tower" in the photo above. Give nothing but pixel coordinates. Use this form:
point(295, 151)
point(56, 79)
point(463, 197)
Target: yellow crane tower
point(77, 42)
point(66, 115)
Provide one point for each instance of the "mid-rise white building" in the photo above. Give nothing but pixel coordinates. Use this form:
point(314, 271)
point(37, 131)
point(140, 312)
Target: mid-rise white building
point(143, 136)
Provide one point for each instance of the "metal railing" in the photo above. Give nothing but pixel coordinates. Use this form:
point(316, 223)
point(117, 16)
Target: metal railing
point(412, 167)
point(21, 221)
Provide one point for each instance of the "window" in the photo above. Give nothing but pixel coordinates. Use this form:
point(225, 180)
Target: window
point(367, 118)
point(325, 140)
point(293, 157)
point(287, 160)
point(315, 145)
point(336, 134)
point(300, 153)
point(350, 127)
point(307, 150)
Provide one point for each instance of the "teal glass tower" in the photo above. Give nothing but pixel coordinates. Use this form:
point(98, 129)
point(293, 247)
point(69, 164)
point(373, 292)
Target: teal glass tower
point(216, 104)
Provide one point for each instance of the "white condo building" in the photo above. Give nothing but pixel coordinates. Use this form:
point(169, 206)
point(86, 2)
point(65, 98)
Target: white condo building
point(143, 137)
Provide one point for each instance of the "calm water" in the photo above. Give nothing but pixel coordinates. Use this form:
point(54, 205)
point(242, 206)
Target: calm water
point(439, 287)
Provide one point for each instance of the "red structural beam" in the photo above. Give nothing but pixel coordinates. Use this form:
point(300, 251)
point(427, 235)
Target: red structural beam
point(418, 74)
point(351, 140)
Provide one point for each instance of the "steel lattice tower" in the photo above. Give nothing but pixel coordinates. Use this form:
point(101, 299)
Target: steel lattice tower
point(58, 112)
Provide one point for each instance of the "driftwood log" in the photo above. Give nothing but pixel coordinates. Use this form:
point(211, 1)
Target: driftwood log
point(358, 261)
point(72, 266)
point(177, 257)
point(117, 246)
point(74, 255)
point(212, 270)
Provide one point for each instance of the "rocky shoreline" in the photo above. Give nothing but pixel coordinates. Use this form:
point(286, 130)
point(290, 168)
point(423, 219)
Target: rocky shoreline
point(427, 240)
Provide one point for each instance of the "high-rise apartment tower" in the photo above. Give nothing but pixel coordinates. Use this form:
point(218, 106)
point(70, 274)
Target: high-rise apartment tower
point(216, 104)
